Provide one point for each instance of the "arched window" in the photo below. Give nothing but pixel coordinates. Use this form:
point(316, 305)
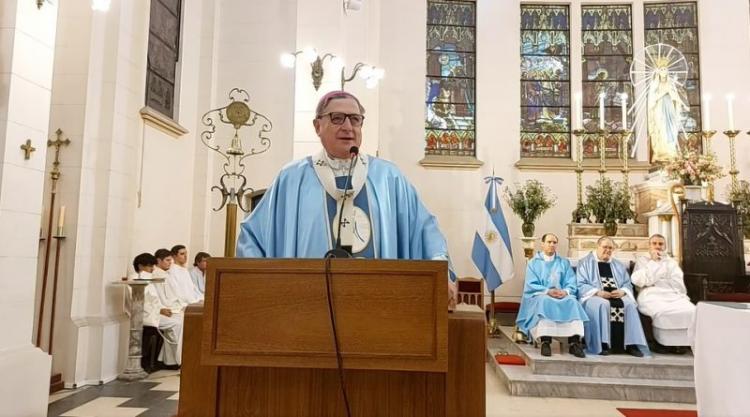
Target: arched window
point(163, 55)
point(545, 81)
point(451, 68)
point(607, 48)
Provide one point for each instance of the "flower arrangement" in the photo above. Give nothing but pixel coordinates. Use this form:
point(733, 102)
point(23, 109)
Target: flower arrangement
point(693, 168)
point(529, 202)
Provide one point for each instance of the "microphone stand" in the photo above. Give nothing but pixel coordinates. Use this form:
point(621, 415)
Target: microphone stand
point(339, 251)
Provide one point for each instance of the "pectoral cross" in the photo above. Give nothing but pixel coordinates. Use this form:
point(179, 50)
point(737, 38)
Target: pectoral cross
point(344, 222)
point(27, 149)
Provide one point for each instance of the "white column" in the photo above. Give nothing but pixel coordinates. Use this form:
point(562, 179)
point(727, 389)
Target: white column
point(27, 36)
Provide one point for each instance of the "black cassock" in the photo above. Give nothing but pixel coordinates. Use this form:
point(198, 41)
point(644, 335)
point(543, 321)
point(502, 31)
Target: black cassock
point(616, 310)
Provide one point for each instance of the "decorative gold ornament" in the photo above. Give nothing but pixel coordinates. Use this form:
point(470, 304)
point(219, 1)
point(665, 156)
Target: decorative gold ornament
point(27, 149)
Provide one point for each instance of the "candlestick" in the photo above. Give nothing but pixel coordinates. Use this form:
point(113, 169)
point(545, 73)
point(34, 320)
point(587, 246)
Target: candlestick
point(579, 212)
point(602, 155)
point(730, 111)
point(707, 112)
point(602, 96)
point(61, 218)
point(733, 171)
point(579, 111)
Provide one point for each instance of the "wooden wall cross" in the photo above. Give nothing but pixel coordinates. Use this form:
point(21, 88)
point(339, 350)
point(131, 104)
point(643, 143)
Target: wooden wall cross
point(27, 149)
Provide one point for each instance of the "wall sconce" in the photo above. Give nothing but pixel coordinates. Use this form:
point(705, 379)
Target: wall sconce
point(352, 5)
point(372, 75)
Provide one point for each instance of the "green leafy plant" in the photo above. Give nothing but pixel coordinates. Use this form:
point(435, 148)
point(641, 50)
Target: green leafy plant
point(741, 199)
point(530, 200)
point(608, 201)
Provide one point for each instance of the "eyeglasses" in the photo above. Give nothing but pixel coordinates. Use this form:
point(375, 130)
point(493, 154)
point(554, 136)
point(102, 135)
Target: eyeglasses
point(339, 118)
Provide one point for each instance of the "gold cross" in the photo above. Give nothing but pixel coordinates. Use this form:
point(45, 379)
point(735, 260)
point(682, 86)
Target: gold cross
point(57, 144)
point(27, 149)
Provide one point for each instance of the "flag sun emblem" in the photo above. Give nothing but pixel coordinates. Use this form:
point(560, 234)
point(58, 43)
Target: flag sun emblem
point(490, 236)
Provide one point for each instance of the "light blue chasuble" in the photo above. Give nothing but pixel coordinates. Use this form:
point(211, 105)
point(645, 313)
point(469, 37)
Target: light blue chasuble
point(292, 218)
point(541, 276)
point(597, 330)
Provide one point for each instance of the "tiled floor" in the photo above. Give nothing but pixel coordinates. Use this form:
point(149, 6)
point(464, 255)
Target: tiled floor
point(153, 397)
point(157, 397)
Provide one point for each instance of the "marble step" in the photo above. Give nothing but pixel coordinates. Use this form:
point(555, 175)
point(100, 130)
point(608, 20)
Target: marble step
point(522, 382)
point(658, 367)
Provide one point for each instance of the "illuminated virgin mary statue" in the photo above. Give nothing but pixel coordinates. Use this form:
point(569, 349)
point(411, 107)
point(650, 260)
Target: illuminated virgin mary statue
point(662, 91)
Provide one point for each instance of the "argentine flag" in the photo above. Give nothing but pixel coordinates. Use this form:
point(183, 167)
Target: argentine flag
point(491, 251)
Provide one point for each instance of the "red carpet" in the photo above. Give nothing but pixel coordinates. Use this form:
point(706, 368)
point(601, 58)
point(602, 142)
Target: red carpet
point(644, 412)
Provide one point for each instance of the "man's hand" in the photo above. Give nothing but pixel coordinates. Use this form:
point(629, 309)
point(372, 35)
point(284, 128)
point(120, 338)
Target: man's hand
point(165, 312)
point(557, 293)
point(618, 293)
point(604, 294)
point(656, 254)
point(452, 295)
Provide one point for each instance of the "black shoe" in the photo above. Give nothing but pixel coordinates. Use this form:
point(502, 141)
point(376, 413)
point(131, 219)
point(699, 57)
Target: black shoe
point(678, 350)
point(576, 350)
point(605, 350)
point(634, 351)
point(546, 349)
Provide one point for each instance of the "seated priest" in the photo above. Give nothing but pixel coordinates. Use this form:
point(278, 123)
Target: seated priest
point(663, 296)
point(549, 307)
point(383, 217)
point(606, 294)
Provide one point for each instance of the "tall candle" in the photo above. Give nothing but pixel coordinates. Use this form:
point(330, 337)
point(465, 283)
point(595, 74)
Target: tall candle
point(61, 218)
point(579, 110)
point(602, 96)
point(730, 110)
point(624, 108)
point(707, 112)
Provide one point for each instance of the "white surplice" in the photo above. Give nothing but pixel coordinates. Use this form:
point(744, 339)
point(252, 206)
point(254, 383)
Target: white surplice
point(181, 283)
point(663, 297)
point(160, 295)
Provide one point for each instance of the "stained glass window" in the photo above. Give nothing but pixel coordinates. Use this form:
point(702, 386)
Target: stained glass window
point(545, 81)
point(607, 39)
point(451, 68)
point(163, 54)
point(676, 24)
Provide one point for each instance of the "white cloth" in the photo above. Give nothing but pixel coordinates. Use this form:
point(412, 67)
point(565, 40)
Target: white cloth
point(663, 297)
point(180, 282)
point(722, 372)
point(199, 280)
point(157, 296)
point(546, 327)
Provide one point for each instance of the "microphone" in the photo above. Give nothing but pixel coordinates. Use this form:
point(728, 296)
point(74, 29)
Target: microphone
point(340, 251)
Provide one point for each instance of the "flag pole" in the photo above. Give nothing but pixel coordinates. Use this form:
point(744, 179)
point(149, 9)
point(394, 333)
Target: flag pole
point(493, 322)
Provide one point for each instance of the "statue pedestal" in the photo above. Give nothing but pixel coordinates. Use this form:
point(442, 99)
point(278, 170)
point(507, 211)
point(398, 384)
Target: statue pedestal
point(650, 194)
point(631, 240)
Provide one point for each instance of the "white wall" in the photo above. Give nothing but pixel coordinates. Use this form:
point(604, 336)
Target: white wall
point(27, 38)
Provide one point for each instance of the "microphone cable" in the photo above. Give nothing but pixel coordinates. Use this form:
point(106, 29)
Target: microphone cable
point(339, 358)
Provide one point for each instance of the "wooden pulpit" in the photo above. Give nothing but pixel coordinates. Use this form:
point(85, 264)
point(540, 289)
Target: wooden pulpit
point(263, 344)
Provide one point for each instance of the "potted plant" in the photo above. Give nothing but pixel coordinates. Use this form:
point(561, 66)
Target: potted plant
point(608, 202)
point(623, 212)
point(741, 200)
point(529, 202)
point(693, 170)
